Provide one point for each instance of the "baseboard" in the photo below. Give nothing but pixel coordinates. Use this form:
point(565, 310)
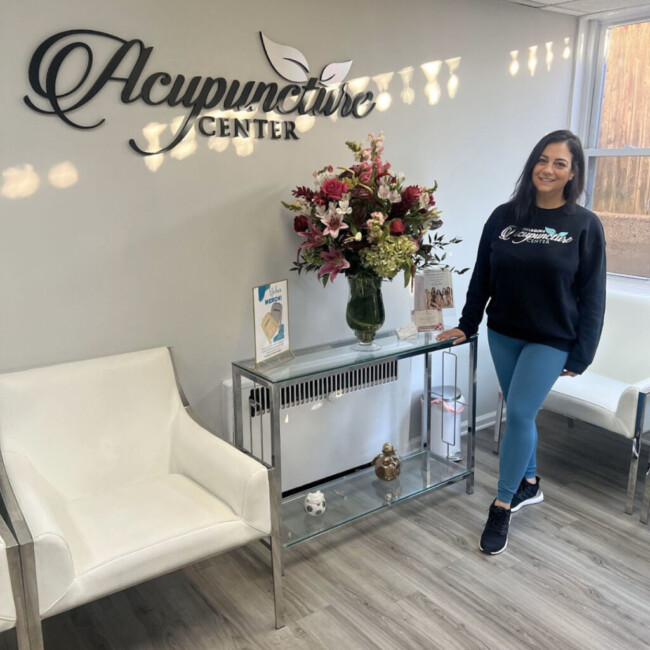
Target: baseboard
point(484, 421)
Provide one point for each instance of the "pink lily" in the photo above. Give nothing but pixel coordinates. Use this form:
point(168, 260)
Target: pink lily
point(315, 238)
point(334, 223)
point(334, 264)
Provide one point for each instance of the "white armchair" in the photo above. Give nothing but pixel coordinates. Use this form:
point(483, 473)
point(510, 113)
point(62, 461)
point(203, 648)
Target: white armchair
point(116, 482)
point(612, 393)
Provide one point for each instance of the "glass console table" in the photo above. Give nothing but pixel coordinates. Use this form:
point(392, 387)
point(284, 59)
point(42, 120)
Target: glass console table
point(360, 492)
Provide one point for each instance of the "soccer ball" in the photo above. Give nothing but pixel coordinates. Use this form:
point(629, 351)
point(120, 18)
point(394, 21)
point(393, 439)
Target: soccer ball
point(315, 504)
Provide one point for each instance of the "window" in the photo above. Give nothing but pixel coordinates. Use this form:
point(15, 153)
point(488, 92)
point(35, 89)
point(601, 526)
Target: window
point(617, 142)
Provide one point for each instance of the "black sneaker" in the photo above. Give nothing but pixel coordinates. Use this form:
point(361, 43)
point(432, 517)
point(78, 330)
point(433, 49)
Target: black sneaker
point(495, 534)
point(527, 494)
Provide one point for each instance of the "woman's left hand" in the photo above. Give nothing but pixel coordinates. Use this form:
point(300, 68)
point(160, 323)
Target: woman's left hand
point(568, 373)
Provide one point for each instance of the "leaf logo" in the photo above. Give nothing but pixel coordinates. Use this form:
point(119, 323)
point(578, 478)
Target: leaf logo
point(549, 231)
point(287, 61)
point(291, 64)
point(563, 234)
point(334, 73)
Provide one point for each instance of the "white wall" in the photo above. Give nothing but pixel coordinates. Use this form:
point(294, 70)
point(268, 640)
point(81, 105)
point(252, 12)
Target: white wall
point(127, 258)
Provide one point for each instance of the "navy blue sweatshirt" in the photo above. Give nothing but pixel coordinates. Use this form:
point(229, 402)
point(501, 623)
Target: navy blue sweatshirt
point(544, 279)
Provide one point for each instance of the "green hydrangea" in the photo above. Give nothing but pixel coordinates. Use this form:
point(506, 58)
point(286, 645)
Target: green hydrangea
point(389, 256)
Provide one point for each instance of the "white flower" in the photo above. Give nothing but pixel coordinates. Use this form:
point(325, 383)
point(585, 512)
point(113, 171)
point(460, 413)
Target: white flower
point(320, 211)
point(319, 179)
point(344, 208)
point(395, 197)
point(384, 190)
point(304, 206)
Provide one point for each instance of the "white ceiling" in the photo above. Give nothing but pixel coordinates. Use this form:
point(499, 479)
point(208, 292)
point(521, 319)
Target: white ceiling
point(581, 7)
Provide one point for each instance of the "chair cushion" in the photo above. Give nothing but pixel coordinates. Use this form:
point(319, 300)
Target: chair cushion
point(92, 425)
point(623, 353)
point(7, 605)
point(591, 398)
point(137, 532)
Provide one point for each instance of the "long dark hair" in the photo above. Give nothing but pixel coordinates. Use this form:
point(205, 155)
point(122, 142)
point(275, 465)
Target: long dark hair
point(523, 198)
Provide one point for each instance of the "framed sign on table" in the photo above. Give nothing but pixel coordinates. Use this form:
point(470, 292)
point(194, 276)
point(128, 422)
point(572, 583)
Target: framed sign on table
point(271, 323)
point(433, 293)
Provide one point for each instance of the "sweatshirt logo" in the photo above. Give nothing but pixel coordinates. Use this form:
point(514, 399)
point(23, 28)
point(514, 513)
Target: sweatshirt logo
point(534, 235)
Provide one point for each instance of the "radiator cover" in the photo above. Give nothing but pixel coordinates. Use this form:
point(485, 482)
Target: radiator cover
point(328, 425)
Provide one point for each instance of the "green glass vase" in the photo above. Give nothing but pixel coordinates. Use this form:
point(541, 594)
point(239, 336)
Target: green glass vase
point(365, 312)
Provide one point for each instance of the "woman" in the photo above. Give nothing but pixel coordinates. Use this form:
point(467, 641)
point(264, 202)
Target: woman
point(541, 266)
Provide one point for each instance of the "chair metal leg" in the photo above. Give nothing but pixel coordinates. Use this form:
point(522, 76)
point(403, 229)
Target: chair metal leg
point(16, 576)
point(23, 536)
point(631, 481)
point(645, 505)
point(16, 582)
point(28, 561)
point(276, 551)
point(636, 450)
point(498, 425)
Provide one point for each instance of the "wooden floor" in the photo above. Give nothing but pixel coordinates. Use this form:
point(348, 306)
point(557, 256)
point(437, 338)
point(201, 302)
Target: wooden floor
point(576, 574)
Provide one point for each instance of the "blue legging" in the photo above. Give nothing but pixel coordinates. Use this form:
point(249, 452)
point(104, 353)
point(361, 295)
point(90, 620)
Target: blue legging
point(526, 372)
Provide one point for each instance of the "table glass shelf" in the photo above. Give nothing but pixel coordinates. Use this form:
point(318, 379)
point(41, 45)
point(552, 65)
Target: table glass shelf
point(361, 493)
point(343, 354)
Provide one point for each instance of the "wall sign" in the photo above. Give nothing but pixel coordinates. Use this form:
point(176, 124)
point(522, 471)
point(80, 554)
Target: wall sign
point(303, 95)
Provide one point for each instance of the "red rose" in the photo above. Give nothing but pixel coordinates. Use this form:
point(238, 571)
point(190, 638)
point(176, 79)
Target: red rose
point(300, 223)
point(410, 195)
point(334, 188)
point(397, 227)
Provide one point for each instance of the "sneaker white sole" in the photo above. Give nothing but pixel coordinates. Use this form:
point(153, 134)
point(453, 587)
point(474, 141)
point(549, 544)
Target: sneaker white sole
point(538, 498)
point(494, 552)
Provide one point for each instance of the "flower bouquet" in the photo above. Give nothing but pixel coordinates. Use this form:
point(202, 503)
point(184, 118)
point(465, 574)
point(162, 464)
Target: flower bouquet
point(365, 222)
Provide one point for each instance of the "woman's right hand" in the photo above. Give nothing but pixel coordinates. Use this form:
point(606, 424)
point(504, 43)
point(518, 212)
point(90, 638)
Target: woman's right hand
point(456, 333)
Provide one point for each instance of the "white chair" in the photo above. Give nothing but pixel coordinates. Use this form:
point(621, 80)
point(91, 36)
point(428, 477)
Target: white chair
point(613, 392)
point(12, 598)
point(117, 484)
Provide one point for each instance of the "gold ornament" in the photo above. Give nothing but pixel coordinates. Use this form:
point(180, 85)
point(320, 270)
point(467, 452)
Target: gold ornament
point(387, 464)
